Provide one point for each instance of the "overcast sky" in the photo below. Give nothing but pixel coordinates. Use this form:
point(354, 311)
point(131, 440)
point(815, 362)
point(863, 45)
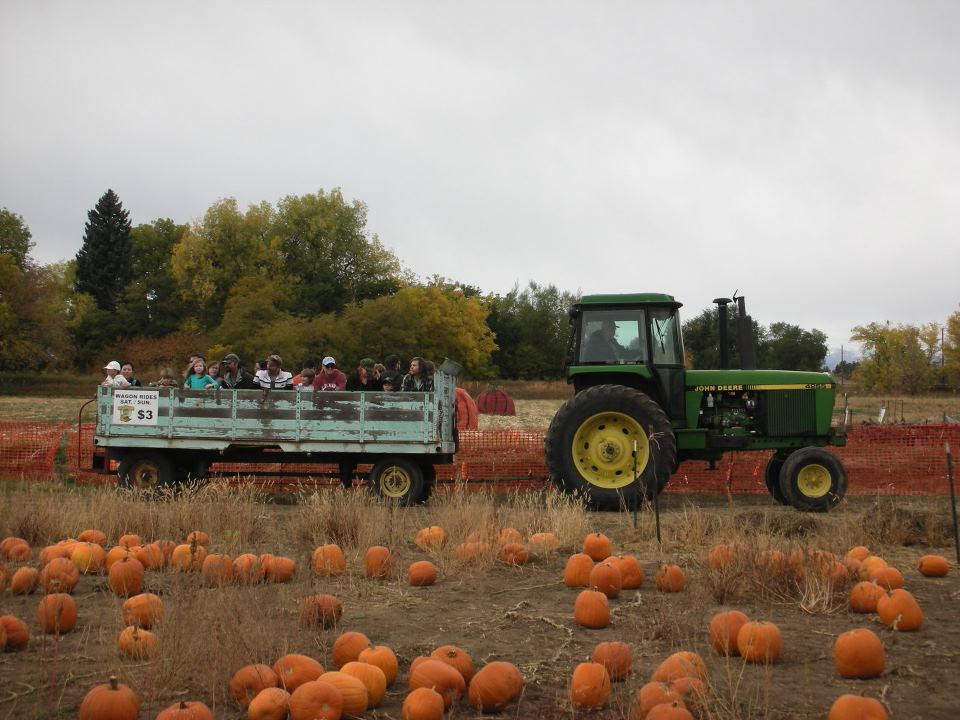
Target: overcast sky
point(805, 153)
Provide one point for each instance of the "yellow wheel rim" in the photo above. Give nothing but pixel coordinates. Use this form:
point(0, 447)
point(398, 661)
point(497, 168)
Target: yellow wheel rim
point(814, 480)
point(395, 482)
point(144, 475)
point(603, 449)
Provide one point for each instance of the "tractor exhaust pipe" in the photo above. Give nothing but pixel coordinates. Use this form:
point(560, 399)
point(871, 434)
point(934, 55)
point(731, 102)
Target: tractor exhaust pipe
point(722, 314)
point(748, 348)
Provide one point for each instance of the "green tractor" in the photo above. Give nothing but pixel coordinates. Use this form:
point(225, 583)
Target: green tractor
point(637, 412)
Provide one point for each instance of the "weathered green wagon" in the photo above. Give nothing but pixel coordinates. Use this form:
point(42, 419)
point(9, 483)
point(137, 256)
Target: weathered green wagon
point(164, 436)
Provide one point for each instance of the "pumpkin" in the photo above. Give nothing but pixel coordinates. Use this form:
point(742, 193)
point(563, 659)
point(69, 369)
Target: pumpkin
point(723, 631)
point(320, 610)
point(771, 563)
point(681, 664)
point(471, 552)
point(19, 551)
point(54, 551)
point(94, 536)
point(669, 578)
point(126, 577)
point(597, 546)
point(137, 643)
point(422, 573)
point(423, 704)
point(188, 557)
point(933, 566)
point(864, 597)
point(151, 556)
point(860, 552)
point(577, 571)
point(186, 710)
point(457, 658)
point(467, 413)
point(869, 564)
point(858, 654)
point(514, 554)
point(510, 535)
point(9, 542)
point(16, 631)
point(433, 673)
point(606, 578)
point(889, 578)
point(650, 695)
point(269, 704)
point(616, 657)
point(144, 610)
point(631, 572)
point(217, 570)
point(430, 537)
point(25, 580)
point(166, 547)
point(112, 700)
point(328, 560)
point(199, 537)
point(352, 690)
point(88, 557)
point(57, 613)
point(856, 707)
point(316, 700)
point(542, 543)
point(384, 658)
point(589, 686)
point(900, 610)
point(129, 541)
point(115, 554)
point(377, 562)
point(249, 680)
point(295, 670)
point(247, 569)
point(495, 402)
point(693, 691)
point(759, 642)
point(348, 647)
point(592, 609)
point(723, 557)
point(278, 569)
point(495, 686)
point(669, 711)
point(59, 575)
point(372, 678)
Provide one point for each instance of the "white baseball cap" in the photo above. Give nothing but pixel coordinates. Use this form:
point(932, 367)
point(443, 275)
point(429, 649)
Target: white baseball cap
point(112, 365)
point(326, 361)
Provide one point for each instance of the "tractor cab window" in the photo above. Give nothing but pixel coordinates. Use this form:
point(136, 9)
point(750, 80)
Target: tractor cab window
point(665, 337)
point(613, 336)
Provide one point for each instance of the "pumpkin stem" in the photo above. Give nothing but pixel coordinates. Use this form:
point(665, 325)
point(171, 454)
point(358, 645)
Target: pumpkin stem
point(114, 683)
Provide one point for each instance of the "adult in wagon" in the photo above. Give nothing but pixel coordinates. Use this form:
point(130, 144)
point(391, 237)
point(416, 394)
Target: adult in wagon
point(199, 379)
point(233, 376)
point(330, 378)
point(114, 378)
point(363, 378)
point(274, 377)
point(127, 371)
point(418, 379)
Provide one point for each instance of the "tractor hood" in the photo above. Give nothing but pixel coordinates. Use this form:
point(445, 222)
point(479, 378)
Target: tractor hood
point(722, 380)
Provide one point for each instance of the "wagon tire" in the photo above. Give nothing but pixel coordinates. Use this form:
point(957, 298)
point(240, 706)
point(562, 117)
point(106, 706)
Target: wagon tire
point(397, 479)
point(148, 471)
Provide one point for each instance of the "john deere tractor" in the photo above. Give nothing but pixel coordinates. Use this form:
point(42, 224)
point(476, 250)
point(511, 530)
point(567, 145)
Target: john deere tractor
point(637, 412)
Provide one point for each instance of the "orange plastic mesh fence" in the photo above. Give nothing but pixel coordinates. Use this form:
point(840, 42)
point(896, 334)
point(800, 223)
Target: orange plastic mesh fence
point(887, 459)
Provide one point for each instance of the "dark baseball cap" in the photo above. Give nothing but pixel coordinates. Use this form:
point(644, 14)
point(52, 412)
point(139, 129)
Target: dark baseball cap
point(232, 357)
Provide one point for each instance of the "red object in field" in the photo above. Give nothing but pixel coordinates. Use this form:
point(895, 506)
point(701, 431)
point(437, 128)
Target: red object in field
point(467, 415)
point(495, 402)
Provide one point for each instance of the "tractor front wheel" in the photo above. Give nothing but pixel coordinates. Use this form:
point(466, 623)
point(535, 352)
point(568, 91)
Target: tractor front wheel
point(612, 445)
point(813, 479)
point(772, 476)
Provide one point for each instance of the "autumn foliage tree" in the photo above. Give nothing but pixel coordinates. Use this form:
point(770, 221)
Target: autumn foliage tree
point(896, 358)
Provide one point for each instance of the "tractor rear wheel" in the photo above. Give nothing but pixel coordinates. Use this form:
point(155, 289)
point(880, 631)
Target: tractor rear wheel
point(612, 445)
point(813, 479)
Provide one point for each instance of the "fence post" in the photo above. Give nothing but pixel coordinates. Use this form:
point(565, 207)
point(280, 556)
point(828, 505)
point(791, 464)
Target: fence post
point(953, 501)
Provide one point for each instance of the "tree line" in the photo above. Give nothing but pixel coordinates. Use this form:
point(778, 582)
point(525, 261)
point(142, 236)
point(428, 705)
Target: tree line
point(305, 278)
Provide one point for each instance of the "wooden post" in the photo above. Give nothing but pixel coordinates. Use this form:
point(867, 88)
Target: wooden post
point(953, 501)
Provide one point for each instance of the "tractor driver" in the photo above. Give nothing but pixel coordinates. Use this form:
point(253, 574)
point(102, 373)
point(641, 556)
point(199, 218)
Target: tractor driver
point(602, 345)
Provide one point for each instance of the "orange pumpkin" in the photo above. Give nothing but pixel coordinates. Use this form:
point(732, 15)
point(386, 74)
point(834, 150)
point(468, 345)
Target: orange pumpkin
point(616, 657)
point(144, 610)
point(864, 597)
point(18, 635)
point(384, 658)
point(151, 556)
point(869, 564)
point(269, 704)
point(681, 664)
point(723, 557)
point(432, 673)
point(606, 578)
point(457, 658)
point(25, 580)
point(199, 537)
point(126, 577)
point(669, 578)
point(247, 569)
point(723, 631)
point(187, 710)
point(128, 541)
point(372, 678)
point(759, 642)
point(597, 546)
point(115, 554)
point(889, 578)
point(592, 610)
point(328, 560)
point(858, 654)
point(856, 707)
point(377, 562)
point(94, 536)
point(900, 611)
point(510, 536)
point(649, 696)
point(542, 543)
point(423, 704)
point(422, 573)
point(249, 680)
point(669, 711)
point(693, 691)
point(136, 643)
point(217, 570)
point(57, 613)
point(933, 566)
point(352, 690)
point(88, 557)
point(188, 557)
point(771, 563)
point(295, 670)
point(54, 551)
point(577, 571)
point(348, 647)
point(860, 552)
point(495, 686)
point(316, 700)
point(513, 554)
point(589, 686)
point(631, 572)
point(430, 537)
point(320, 610)
point(471, 552)
point(113, 700)
point(59, 575)
point(279, 569)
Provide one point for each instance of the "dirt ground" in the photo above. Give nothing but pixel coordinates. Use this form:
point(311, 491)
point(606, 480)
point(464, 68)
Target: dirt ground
point(522, 615)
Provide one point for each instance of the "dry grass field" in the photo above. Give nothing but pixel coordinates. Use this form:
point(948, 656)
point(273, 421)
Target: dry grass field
point(523, 615)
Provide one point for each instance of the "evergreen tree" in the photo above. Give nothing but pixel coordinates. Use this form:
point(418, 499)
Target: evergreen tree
point(105, 260)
